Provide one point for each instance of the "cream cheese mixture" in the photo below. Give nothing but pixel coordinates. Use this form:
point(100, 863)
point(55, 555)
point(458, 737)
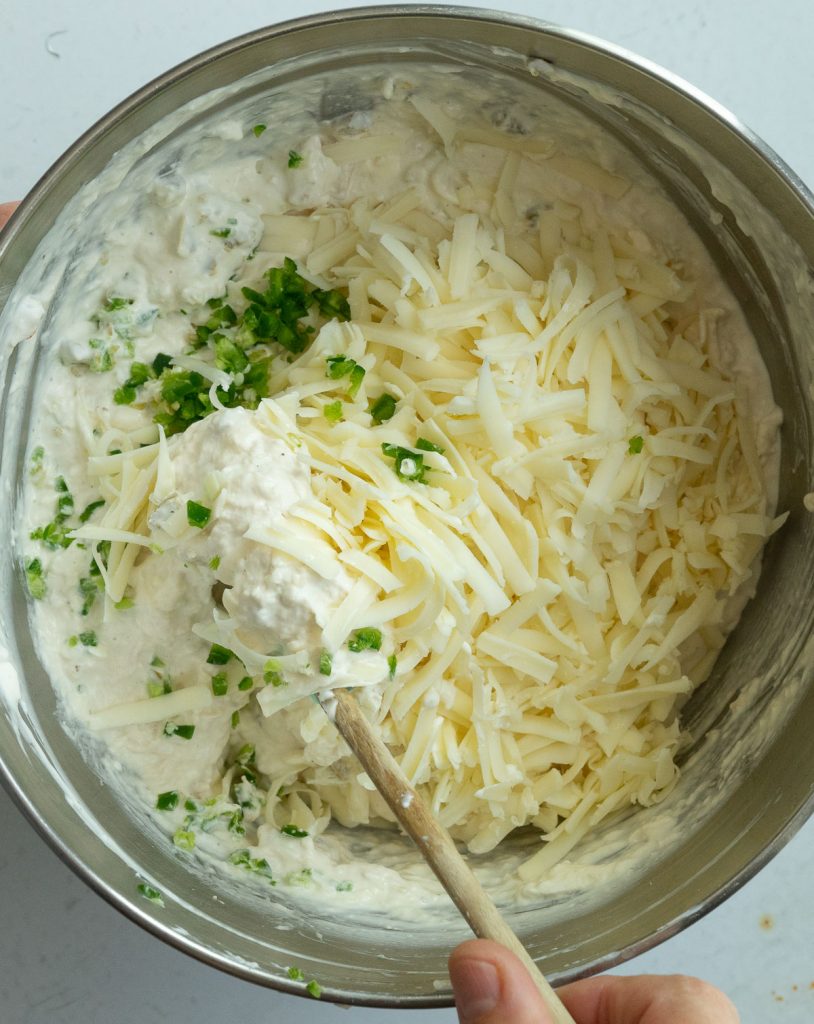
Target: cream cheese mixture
point(430, 400)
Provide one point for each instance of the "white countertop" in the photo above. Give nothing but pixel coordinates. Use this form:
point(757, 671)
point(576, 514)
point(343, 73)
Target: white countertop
point(65, 956)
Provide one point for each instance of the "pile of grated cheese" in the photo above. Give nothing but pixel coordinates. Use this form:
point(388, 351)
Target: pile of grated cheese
point(555, 587)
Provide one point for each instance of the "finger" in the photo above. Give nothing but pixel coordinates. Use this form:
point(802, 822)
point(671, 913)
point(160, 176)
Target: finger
point(647, 999)
point(492, 987)
point(6, 210)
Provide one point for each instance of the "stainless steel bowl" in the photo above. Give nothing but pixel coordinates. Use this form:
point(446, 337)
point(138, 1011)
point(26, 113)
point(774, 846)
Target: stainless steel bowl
point(748, 781)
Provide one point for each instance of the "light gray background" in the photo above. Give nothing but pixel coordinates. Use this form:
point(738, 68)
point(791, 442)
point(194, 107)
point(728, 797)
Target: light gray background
point(65, 956)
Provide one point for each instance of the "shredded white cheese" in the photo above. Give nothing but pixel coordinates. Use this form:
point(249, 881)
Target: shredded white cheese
point(581, 524)
point(568, 494)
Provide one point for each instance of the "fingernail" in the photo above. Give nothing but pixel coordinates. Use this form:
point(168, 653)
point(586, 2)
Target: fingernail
point(477, 989)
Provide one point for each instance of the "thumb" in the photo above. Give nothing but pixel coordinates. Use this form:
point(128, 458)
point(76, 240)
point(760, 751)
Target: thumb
point(493, 987)
point(6, 210)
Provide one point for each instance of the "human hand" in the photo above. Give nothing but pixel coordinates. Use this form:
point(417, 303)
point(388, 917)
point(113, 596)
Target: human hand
point(6, 210)
point(492, 987)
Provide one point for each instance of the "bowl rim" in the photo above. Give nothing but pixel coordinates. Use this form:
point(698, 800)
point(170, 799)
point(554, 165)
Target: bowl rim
point(129, 905)
point(411, 11)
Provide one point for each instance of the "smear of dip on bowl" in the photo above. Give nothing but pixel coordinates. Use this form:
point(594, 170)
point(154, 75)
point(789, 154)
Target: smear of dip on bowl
point(435, 399)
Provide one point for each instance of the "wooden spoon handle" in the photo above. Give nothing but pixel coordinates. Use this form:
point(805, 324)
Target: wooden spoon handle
point(434, 842)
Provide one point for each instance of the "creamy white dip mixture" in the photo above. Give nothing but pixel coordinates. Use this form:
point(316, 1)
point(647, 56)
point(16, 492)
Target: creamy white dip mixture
point(485, 436)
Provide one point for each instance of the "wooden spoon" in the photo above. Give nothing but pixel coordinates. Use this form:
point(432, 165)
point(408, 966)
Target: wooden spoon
point(434, 842)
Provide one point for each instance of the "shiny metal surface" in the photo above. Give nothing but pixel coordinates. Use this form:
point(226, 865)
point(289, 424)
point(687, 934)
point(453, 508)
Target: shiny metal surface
point(764, 243)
